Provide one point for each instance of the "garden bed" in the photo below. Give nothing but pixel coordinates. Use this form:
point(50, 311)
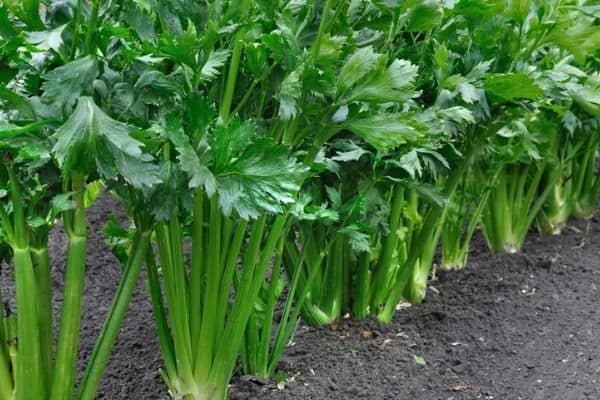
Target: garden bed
point(518, 326)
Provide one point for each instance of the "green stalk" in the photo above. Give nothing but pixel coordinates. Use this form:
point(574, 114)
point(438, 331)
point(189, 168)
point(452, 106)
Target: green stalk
point(269, 314)
point(165, 340)
point(322, 25)
point(529, 216)
point(66, 355)
point(289, 318)
point(505, 219)
point(360, 306)
point(206, 344)
point(234, 66)
point(252, 278)
point(10, 330)
point(585, 174)
point(89, 39)
point(229, 272)
point(520, 203)
point(385, 263)
point(332, 296)
point(6, 377)
point(7, 386)
point(112, 324)
point(249, 352)
point(197, 267)
point(29, 362)
point(452, 240)
point(43, 268)
point(588, 188)
point(309, 269)
point(416, 287)
point(176, 303)
point(30, 381)
point(475, 218)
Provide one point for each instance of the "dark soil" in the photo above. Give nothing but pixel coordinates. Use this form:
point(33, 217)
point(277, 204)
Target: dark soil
point(513, 327)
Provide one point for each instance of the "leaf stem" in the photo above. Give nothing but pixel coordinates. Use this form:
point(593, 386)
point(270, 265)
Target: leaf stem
point(321, 32)
point(112, 324)
point(66, 356)
point(89, 40)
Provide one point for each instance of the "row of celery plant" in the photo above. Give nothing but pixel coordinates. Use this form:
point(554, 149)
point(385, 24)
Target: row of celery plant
point(540, 159)
point(481, 87)
point(515, 113)
point(367, 227)
point(368, 93)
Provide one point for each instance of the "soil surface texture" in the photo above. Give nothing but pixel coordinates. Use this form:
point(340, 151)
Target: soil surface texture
point(511, 327)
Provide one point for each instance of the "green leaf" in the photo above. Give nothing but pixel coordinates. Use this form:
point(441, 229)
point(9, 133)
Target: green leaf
point(229, 141)
point(61, 203)
point(92, 191)
point(36, 222)
point(211, 68)
point(515, 128)
point(458, 114)
point(419, 360)
point(334, 196)
point(358, 241)
point(289, 92)
point(581, 37)
point(118, 238)
point(392, 84)
point(507, 87)
point(90, 139)
point(7, 31)
point(10, 130)
point(182, 47)
point(263, 179)
point(469, 93)
point(430, 193)
point(46, 40)
point(64, 85)
point(189, 161)
point(303, 210)
point(411, 164)
point(27, 11)
point(347, 150)
point(588, 96)
point(386, 131)
point(154, 87)
point(425, 15)
point(12, 101)
point(357, 67)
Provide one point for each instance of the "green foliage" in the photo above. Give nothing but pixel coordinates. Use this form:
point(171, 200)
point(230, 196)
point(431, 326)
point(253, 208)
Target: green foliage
point(91, 139)
point(336, 141)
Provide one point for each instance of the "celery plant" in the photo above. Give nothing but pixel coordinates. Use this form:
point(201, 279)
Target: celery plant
point(577, 190)
point(25, 228)
point(462, 219)
point(201, 331)
point(226, 186)
point(586, 182)
point(29, 364)
point(56, 143)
